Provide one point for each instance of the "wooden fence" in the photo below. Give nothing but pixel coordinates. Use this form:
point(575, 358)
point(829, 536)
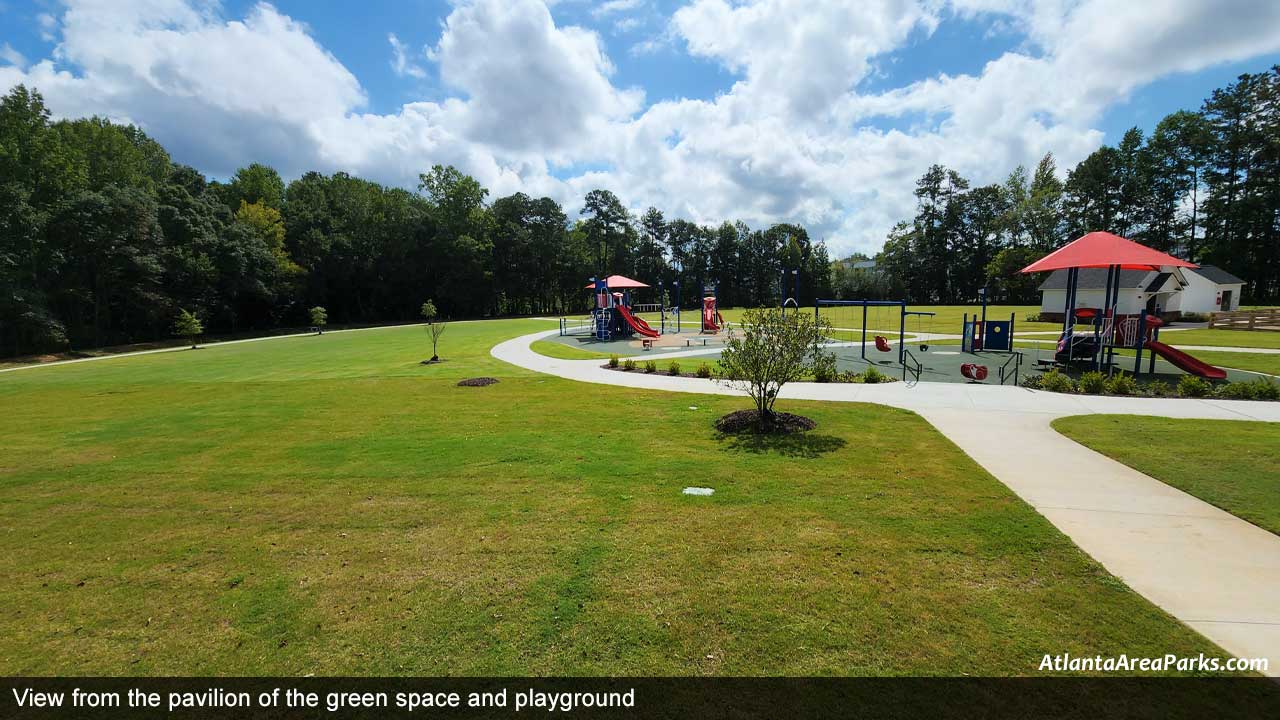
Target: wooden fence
point(1265, 319)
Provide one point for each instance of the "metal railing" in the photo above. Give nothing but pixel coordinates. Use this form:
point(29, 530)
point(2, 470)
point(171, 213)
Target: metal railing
point(1016, 359)
point(908, 359)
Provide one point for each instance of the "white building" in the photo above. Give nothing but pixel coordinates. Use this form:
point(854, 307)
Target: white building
point(1166, 293)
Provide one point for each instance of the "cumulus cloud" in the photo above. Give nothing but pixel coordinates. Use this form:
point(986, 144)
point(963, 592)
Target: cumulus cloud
point(11, 56)
point(48, 24)
point(401, 65)
point(615, 6)
point(528, 103)
point(530, 86)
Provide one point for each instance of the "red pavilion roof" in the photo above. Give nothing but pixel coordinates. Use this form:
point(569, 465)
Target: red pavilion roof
point(1102, 249)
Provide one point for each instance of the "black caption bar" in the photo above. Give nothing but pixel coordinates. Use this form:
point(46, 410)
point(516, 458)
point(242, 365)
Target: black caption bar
point(387, 698)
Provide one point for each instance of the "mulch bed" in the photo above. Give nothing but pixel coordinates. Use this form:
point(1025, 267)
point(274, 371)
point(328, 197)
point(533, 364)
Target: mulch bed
point(748, 421)
point(477, 382)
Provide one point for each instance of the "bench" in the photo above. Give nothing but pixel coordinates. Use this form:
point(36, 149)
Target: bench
point(647, 343)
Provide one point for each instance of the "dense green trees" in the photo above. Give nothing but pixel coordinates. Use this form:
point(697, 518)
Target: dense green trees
point(1204, 186)
point(104, 240)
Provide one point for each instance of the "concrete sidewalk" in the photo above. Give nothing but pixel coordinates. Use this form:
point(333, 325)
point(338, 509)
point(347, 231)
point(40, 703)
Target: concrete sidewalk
point(1206, 567)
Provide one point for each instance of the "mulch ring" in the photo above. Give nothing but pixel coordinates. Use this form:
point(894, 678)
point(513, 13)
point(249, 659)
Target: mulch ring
point(477, 382)
point(748, 421)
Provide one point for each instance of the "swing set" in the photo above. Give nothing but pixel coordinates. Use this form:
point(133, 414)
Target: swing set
point(881, 342)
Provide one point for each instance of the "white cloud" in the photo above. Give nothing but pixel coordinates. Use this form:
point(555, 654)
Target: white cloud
point(48, 25)
point(615, 6)
point(401, 65)
point(530, 86)
point(797, 137)
point(11, 56)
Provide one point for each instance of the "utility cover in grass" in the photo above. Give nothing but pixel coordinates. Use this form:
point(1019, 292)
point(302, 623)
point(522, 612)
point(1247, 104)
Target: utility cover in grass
point(477, 382)
point(698, 491)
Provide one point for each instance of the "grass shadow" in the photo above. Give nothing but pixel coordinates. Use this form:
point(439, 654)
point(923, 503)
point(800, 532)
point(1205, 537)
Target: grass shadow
point(807, 445)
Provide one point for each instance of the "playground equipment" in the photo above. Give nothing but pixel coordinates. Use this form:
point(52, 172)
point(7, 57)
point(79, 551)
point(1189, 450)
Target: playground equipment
point(880, 342)
point(670, 320)
point(711, 319)
point(1111, 330)
point(989, 335)
point(612, 312)
point(1125, 332)
point(974, 371)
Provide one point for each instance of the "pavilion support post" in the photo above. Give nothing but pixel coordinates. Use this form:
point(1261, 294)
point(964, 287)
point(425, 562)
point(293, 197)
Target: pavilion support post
point(1104, 350)
point(1068, 317)
point(1139, 344)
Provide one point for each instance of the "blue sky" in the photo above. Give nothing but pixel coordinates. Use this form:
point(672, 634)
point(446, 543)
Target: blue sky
point(821, 112)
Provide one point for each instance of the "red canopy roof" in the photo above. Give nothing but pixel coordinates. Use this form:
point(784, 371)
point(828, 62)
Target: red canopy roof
point(620, 282)
point(1102, 249)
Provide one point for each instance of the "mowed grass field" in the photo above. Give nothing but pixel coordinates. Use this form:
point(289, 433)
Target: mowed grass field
point(1223, 338)
point(1231, 464)
point(947, 319)
point(328, 505)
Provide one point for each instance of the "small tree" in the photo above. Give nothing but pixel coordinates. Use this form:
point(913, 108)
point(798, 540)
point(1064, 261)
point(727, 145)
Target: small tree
point(319, 318)
point(769, 352)
point(436, 329)
point(187, 325)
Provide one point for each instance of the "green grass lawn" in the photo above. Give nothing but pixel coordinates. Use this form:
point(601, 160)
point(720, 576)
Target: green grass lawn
point(1254, 362)
point(328, 505)
point(565, 352)
point(1223, 338)
point(1227, 463)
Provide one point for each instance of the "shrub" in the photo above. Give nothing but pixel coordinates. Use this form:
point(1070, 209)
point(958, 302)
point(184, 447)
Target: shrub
point(1193, 317)
point(824, 368)
point(1054, 381)
point(319, 318)
point(1192, 386)
point(628, 364)
point(873, 376)
point(1266, 389)
point(770, 351)
point(188, 326)
point(613, 361)
point(1237, 391)
point(1093, 383)
point(1033, 317)
point(650, 366)
point(1121, 384)
point(1033, 382)
point(849, 376)
point(1158, 388)
point(673, 368)
point(704, 371)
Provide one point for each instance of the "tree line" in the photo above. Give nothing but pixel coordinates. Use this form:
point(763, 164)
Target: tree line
point(1204, 186)
point(105, 240)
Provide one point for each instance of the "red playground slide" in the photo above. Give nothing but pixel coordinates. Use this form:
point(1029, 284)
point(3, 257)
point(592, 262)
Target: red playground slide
point(636, 323)
point(1185, 362)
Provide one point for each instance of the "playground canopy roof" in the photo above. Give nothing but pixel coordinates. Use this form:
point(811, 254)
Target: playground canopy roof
point(620, 282)
point(1101, 250)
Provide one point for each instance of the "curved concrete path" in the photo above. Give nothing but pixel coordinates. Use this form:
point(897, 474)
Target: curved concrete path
point(1206, 567)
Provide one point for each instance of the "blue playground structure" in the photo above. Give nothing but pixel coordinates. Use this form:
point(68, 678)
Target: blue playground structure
point(986, 335)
